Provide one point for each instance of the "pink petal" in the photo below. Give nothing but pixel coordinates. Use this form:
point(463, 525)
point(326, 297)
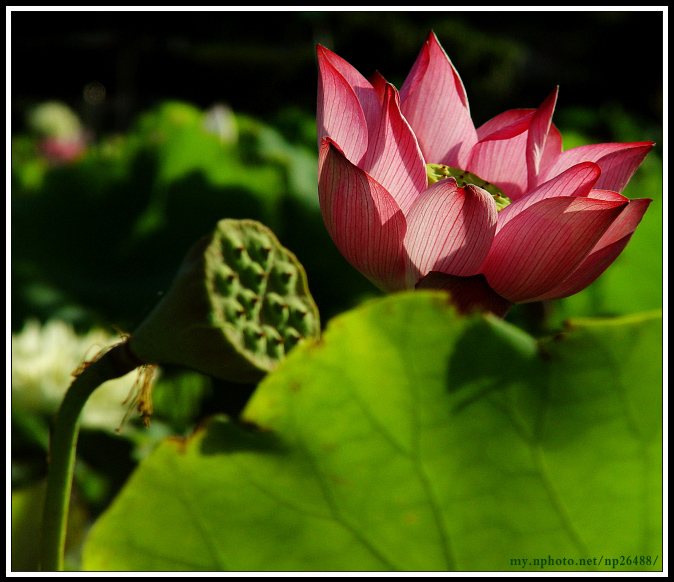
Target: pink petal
point(393, 157)
point(449, 229)
point(379, 85)
point(618, 162)
point(627, 221)
point(608, 195)
point(553, 148)
point(587, 272)
point(539, 128)
point(500, 157)
point(340, 114)
point(606, 251)
point(467, 293)
point(576, 181)
point(542, 245)
point(362, 218)
point(363, 89)
point(434, 102)
point(509, 118)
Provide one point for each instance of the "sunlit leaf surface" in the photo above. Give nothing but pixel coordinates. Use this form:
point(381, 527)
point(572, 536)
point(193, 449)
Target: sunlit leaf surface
point(410, 439)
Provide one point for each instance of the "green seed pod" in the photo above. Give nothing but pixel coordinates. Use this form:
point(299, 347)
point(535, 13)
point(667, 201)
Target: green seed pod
point(437, 172)
point(301, 316)
point(275, 347)
point(234, 251)
point(253, 337)
point(290, 337)
point(227, 281)
point(275, 310)
point(284, 277)
point(249, 299)
point(233, 311)
point(260, 249)
point(253, 276)
point(238, 304)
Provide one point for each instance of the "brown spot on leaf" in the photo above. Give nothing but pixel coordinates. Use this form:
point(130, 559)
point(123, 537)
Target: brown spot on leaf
point(179, 442)
point(543, 351)
point(339, 480)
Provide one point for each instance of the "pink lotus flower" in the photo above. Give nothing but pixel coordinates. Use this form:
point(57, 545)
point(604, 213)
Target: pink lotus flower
point(395, 218)
point(62, 150)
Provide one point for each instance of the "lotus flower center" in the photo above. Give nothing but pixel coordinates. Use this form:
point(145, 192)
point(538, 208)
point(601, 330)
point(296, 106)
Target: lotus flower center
point(437, 172)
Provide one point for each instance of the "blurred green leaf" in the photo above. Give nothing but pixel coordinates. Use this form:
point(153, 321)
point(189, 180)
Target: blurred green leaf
point(108, 230)
point(411, 439)
point(26, 518)
point(27, 504)
point(28, 169)
point(176, 399)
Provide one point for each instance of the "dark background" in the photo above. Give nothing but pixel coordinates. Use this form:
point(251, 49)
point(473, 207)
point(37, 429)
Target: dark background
point(260, 62)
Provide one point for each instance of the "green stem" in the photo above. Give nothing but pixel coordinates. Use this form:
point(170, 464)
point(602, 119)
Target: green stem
point(115, 363)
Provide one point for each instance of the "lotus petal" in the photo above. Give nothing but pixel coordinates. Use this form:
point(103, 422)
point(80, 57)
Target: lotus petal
point(393, 157)
point(363, 219)
point(449, 229)
point(543, 245)
point(434, 102)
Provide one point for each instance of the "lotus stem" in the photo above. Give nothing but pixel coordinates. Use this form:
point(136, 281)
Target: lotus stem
point(117, 362)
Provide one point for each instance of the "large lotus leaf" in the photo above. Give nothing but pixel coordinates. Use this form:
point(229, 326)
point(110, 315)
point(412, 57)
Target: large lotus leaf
point(412, 439)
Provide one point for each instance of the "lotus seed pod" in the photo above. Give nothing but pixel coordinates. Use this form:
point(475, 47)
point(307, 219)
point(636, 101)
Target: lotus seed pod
point(249, 299)
point(284, 277)
point(240, 301)
point(275, 310)
point(233, 310)
point(227, 281)
point(275, 346)
point(234, 251)
point(253, 276)
point(290, 337)
point(301, 316)
point(260, 249)
point(253, 337)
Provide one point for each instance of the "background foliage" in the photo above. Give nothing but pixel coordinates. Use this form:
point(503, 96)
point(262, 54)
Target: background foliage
point(95, 240)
